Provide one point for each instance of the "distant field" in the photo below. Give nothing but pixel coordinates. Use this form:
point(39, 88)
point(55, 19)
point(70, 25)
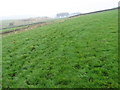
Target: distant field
point(6, 24)
point(80, 52)
point(24, 27)
point(10, 29)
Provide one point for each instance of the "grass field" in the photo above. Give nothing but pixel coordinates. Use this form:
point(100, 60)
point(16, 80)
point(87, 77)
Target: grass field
point(80, 52)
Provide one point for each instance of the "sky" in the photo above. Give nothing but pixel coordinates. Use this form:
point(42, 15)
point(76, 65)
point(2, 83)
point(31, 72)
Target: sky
point(35, 8)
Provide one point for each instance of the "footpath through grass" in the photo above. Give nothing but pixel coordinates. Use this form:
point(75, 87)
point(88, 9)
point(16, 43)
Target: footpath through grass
point(80, 52)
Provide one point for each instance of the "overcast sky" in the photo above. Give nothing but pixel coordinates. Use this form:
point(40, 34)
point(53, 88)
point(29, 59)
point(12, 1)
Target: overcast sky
point(14, 8)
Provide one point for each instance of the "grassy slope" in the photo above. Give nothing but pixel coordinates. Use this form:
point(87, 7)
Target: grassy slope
point(80, 52)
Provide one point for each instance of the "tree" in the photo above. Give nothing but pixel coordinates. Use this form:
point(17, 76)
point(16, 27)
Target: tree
point(60, 15)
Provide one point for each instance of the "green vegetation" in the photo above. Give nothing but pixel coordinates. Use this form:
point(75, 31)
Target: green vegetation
point(80, 52)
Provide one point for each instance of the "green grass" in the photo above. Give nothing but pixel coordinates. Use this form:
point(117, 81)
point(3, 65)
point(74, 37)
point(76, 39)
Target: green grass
point(81, 52)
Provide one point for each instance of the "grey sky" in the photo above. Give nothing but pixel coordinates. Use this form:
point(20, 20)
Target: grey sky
point(17, 8)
